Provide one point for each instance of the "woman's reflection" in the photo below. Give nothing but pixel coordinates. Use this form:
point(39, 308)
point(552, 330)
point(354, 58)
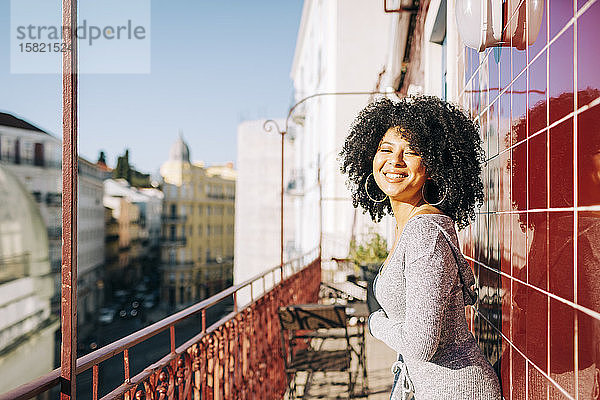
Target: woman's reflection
point(539, 320)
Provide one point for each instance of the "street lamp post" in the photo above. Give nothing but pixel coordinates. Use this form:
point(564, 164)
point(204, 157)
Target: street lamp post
point(268, 126)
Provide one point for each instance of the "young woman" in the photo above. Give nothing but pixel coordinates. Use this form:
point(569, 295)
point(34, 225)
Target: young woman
point(419, 159)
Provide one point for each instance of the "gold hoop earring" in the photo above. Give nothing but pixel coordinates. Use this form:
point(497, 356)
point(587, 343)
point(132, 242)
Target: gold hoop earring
point(423, 193)
point(367, 191)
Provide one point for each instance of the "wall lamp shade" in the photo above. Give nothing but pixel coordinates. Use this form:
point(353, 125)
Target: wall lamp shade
point(528, 14)
point(480, 22)
point(475, 21)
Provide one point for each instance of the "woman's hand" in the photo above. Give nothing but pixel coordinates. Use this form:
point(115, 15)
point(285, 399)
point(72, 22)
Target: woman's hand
point(375, 314)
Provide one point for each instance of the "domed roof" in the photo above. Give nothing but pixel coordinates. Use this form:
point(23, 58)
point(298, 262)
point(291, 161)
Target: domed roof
point(180, 150)
point(23, 233)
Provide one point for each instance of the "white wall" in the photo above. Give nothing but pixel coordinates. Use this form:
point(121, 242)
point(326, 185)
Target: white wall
point(341, 47)
point(27, 326)
point(257, 202)
point(90, 230)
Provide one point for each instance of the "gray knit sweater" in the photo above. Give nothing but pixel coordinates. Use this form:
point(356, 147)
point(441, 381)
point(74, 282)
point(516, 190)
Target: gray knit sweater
point(423, 316)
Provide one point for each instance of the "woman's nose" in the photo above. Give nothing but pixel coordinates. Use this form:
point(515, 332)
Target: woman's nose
point(397, 161)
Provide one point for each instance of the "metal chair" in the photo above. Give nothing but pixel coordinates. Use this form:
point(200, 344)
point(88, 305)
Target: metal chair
point(304, 329)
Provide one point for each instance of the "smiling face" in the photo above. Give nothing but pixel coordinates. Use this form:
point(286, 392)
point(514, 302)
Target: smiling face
point(398, 170)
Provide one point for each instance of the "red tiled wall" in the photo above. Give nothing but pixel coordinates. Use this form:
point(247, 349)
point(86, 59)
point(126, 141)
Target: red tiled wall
point(535, 246)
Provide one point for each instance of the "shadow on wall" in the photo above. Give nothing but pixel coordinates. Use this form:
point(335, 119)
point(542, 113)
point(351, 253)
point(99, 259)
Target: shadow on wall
point(543, 328)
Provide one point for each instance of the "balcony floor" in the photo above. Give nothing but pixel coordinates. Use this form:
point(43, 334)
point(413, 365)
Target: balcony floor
point(333, 385)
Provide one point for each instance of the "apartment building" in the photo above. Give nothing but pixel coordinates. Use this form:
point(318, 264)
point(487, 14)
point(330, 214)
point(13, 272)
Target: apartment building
point(197, 243)
point(34, 156)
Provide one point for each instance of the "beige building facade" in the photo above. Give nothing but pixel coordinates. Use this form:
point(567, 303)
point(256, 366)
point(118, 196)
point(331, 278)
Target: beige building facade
point(198, 228)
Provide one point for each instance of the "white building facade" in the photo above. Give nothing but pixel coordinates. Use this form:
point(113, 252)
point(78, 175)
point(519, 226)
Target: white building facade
point(34, 156)
point(27, 324)
point(335, 52)
point(258, 201)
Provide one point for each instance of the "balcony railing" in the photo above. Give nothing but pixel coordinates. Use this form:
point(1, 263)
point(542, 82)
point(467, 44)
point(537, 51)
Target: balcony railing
point(173, 240)
point(54, 232)
point(220, 196)
point(170, 265)
point(53, 199)
point(237, 357)
point(15, 267)
point(174, 219)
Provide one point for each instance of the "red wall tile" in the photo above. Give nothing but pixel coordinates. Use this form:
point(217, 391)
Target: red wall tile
point(588, 153)
point(546, 302)
point(561, 11)
point(537, 184)
point(588, 56)
point(561, 73)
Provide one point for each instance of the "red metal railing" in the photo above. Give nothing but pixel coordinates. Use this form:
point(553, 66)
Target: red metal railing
point(238, 357)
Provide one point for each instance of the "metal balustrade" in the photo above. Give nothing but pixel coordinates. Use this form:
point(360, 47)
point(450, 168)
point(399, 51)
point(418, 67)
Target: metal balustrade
point(237, 357)
point(174, 219)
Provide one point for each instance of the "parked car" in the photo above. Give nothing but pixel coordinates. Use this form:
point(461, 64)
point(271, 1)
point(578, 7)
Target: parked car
point(129, 311)
point(106, 315)
point(148, 303)
point(87, 345)
point(121, 294)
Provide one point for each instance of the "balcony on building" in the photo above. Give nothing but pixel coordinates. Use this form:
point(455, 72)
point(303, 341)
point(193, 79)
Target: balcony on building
point(54, 232)
point(173, 241)
point(13, 268)
point(174, 219)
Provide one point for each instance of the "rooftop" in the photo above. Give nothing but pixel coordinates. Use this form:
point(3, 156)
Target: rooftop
point(10, 120)
point(180, 151)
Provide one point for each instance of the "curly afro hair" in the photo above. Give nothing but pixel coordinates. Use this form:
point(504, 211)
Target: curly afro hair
point(445, 137)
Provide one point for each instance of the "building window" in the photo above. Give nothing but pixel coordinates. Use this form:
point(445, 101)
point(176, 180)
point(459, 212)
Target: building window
point(17, 151)
point(7, 148)
point(27, 152)
point(37, 196)
point(444, 68)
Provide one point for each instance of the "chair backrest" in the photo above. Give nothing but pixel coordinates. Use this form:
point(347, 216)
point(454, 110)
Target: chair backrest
point(312, 316)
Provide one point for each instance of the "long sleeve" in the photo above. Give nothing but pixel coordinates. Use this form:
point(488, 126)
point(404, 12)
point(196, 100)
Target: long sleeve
point(430, 274)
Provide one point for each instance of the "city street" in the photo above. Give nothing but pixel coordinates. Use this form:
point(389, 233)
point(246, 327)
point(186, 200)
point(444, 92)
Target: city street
point(111, 373)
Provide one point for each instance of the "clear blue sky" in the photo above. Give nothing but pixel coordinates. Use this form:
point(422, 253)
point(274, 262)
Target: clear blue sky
point(213, 64)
